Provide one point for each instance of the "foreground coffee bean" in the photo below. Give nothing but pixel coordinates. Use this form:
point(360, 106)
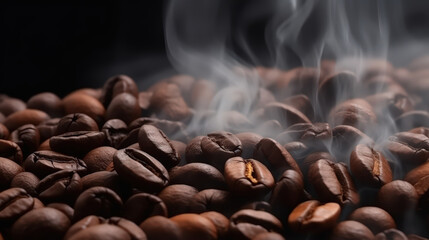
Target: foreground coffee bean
point(141, 206)
point(351, 230)
point(61, 186)
point(397, 193)
point(159, 227)
point(213, 200)
point(43, 223)
point(8, 170)
point(124, 106)
point(218, 147)
point(248, 177)
point(14, 203)
point(194, 226)
point(11, 150)
point(374, 218)
point(247, 223)
point(369, 166)
point(178, 198)
point(27, 181)
point(289, 190)
point(140, 170)
point(313, 216)
point(409, 148)
point(220, 222)
point(199, 175)
point(77, 143)
point(115, 131)
point(345, 138)
point(99, 159)
point(391, 234)
point(83, 103)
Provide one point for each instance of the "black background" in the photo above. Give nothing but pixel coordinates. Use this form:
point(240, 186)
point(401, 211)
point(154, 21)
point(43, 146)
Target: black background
point(60, 47)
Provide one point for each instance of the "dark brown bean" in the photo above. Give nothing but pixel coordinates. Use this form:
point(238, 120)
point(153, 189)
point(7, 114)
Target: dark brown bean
point(351, 230)
point(302, 103)
point(62, 186)
point(317, 136)
point(48, 128)
point(313, 216)
point(159, 227)
point(11, 105)
point(345, 138)
point(106, 179)
point(409, 148)
point(82, 103)
point(289, 190)
point(173, 129)
point(397, 193)
point(123, 106)
point(141, 206)
point(213, 200)
point(27, 116)
point(178, 198)
point(115, 131)
point(98, 159)
point(285, 114)
point(8, 170)
point(248, 143)
point(194, 226)
point(77, 143)
point(11, 150)
point(27, 181)
point(14, 202)
point(66, 209)
point(168, 103)
point(76, 122)
point(48, 102)
point(391, 234)
point(4, 132)
point(198, 175)
point(374, 218)
point(27, 137)
point(247, 223)
point(116, 85)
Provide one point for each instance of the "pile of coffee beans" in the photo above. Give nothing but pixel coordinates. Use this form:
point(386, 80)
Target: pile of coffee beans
point(310, 153)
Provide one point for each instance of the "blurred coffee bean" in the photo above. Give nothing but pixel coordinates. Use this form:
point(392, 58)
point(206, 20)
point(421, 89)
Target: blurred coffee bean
point(285, 114)
point(268, 236)
point(198, 175)
point(202, 93)
point(178, 198)
point(98, 201)
point(98, 159)
point(194, 226)
point(4, 132)
point(374, 218)
point(351, 230)
point(389, 105)
point(48, 128)
point(159, 227)
point(77, 143)
point(167, 102)
point(62, 186)
point(64, 208)
point(140, 170)
point(302, 103)
point(332, 182)
point(14, 202)
point(248, 177)
point(247, 223)
point(415, 237)
point(344, 140)
point(76, 122)
point(180, 149)
point(314, 216)
point(43, 163)
point(92, 92)
point(27, 137)
point(141, 206)
point(115, 131)
point(297, 150)
point(391, 234)
point(153, 141)
point(27, 116)
point(125, 107)
point(248, 143)
point(397, 193)
point(409, 148)
point(257, 205)
point(317, 136)
point(27, 181)
point(11, 150)
point(213, 200)
point(412, 119)
point(11, 105)
point(47, 102)
point(82, 103)
point(8, 170)
point(418, 177)
point(380, 84)
point(51, 224)
point(220, 222)
point(369, 167)
point(116, 85)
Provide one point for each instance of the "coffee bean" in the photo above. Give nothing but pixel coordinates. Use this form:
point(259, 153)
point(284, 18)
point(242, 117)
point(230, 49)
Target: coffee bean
point(11, 150)
point(27, 181)
point(76, 122)
point(390, 104)
point(285, 114)
point(345, 138)
point(168, 103)
point(391, 234)
point(409, 148)
point(351, 230)
point(220, 222)
point(8, 170)
point(92, 92)
point(4, 132)
point(156, 143)
point(64, 208)
point(369, 166)
point(397, 193)
point(317, 136)
point(357, 113)
point(115, 131)
point(62, 186)
point(43, 163)
point(99, 232)
point(173, 129)
point(247, 223)
point(314, 157)
point(180, 149)
point(159, 227)
point(374, 218)
point(123, 106)
point(194, 226)
point(98, 159)
point(77, 143)
point(213, 200)
point(415, 237)
point(82, 103)
point(302, 103)
point(332, 182)
point(14, 202)
point(178, 198)
point(47, 102)
point(412, 119)
point(202, 93)
point(141, 206)
point(248, 177)
point(98, 201)
point(199, 175)
point(10, 105)
point(27, 116)
point(289, 190)
point(140, 169)
point(297, 150)
point(313, 216)
point(48, 128)
point(418, 177)
point(43, 223)
point(117, 85)
point(27, 137)
point(105, 179)
point(268, 236)
point(248, 143)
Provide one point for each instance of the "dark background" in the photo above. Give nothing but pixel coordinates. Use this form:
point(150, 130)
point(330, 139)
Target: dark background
point(60, 47)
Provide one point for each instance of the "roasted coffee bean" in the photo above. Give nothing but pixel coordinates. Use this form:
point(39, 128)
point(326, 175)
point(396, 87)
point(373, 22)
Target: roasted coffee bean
point(302, 103)
point(415, 237)
point(332, 182)
point(345, 138)
point(76, 122)
point(43, 223)
point(269, 128)
point(285, 114)
point(117, 85)
point(43, 163)
point(369, 167)
point(194, 226)
point(159, 227)
point(336, 88)
point(140, 170)
point(99, 159)
point(230, 121)
point(354, 112)
point(153, 141)
point(92, 92)
point(86, 104)
point(11, 150)
point(105, 179)
point(27, 116)
point(248, 177)
point(144, 102)
point(62, 186)
point(248, 143)
point(397, 193)
point(374, 218)
point(351, 230)
point(420, 130)
point(289, 190)
point(8, 170)
point(198, 175)
point(409, 148)
point(391, 234)
point(258, 205)
point(98, 201)
point(178, 198)
point(314, 157)
point(297, 150)
point(168, 103)
point(317, 136)
point(390, 104)
point(220, 222)
point(10, 105)
point(77, 143)
point(27, 137)
point(417, 174)
point(275, 155)
point(48, 128)
point(64, 208)
point(268, 236)
point(27, 181)
point(213, 200)
point(115, 131)
point(123, 106)
point(4, 132)
point(141, 206)
point(380, 84)
point(48, 102)
point(202, 94)
point(173, 129)
point(313, 216)
point(14, 202)
point(180, 149)
point(412, 119)
point(247, 223)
